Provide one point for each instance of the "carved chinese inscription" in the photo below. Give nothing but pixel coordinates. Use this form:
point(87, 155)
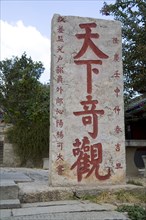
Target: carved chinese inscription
point(87, 113)
point(89, 157)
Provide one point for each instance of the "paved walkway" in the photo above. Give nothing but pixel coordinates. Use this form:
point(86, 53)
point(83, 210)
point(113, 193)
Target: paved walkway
point(33, 188)
point(64, 210)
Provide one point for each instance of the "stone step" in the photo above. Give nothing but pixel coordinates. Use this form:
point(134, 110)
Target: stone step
point(72, 210)
point(8, 190)
point(10, 204)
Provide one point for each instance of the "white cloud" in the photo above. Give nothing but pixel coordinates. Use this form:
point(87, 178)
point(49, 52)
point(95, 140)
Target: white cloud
point(18, 38)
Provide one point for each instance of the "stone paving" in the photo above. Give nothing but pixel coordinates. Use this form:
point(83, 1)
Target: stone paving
point(34, 188)
point(64, 210)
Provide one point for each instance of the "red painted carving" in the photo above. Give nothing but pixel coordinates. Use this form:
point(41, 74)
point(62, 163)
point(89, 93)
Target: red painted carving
point(59, 69)
point(59, 111)
point(88, 42)
point(59, 58)
point(90, 113)
point(60, 134)
point(60, 49)
point(118, 129)
point(60, 29)
point(60, 169)
point(116, 57)
point(59, 89)
point(60, 157)
point(117, 90)
point(117, 109)
point(60, 145)
point(59, 101)
point(116, 74)
point(118, 147)
point(61, 19)
point(59, 79)
point(118, 166)
point(115, 40)
point(89, 71)
point(60, 38)
point(89, 158)
point(59, 123)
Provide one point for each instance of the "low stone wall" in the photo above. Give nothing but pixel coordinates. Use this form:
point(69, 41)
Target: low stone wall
point(10, 159)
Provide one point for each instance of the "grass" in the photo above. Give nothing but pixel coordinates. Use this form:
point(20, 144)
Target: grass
point(133, 182)
point(134, 212)
point(131, 202)
point(121, 196)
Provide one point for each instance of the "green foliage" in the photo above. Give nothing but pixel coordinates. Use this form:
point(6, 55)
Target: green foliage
point(120, 196)
point(132, 14)
point(30, 142)
point(25, 102)
point(18, 86)
point(134, 212)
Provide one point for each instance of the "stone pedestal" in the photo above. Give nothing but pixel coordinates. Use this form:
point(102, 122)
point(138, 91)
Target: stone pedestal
point(131, 169)
point(87, 138)
point(144, 160)
point(45, 163)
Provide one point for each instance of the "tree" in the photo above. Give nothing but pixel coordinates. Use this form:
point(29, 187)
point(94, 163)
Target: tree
point(25, 102)
point(132, 14)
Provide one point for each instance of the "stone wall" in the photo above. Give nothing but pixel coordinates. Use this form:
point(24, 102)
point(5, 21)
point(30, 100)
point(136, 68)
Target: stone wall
point(10, 159)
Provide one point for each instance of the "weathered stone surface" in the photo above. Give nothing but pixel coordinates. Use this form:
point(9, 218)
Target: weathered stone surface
point(73, 216)
point(45, 163)
point(16, 176)
point(8, 190)
point(87, 144)
point(5, 213)
point(9, 204)
point(81, 210)
point(10, 159)
point(41, 192)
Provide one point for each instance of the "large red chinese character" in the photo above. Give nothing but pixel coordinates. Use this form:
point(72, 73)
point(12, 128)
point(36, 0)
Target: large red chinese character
point(90, 114)
point(89, 71)
point(89, 159)
point(88, 42)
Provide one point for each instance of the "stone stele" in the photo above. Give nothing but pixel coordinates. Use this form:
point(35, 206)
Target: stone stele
point(87, 137)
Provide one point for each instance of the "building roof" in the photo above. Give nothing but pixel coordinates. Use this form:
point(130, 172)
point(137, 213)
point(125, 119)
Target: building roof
point(137, 108)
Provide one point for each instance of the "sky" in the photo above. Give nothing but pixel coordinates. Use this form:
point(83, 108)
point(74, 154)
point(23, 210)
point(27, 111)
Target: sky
point(25, 26)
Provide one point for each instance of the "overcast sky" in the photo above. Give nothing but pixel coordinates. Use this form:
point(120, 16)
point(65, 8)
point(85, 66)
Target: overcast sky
point(26, 26)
